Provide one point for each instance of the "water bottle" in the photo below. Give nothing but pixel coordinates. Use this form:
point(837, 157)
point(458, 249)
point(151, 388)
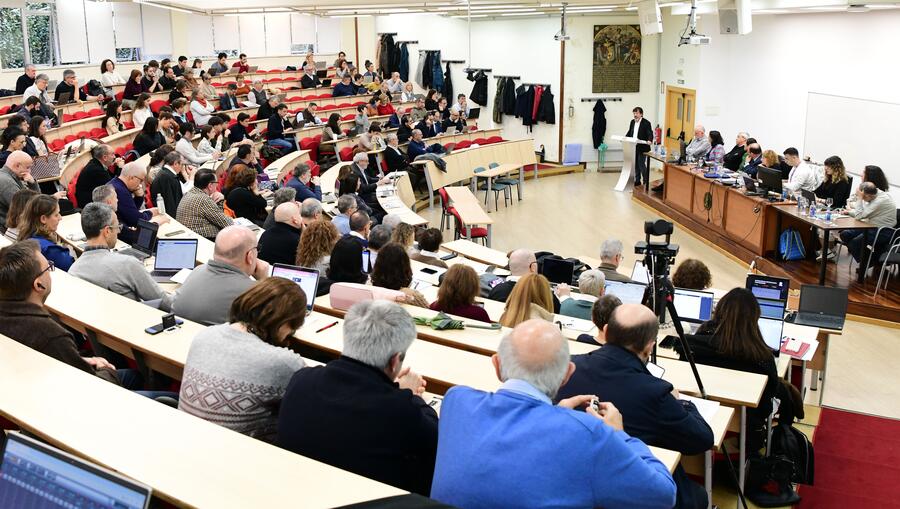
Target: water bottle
point(812, 209)
point(828, 215)
point(160, 204)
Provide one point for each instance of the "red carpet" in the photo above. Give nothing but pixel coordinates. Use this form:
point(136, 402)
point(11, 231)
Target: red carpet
point(857, 462)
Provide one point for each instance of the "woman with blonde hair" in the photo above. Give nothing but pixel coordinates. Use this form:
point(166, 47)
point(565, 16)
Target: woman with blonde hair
point(530, 298)
point(404, 234)
point(316, 242)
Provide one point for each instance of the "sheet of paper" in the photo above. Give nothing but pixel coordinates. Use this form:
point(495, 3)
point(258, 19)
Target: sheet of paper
point(802, 332)
point(576, 324)
point(181, 276)
point(706, 407)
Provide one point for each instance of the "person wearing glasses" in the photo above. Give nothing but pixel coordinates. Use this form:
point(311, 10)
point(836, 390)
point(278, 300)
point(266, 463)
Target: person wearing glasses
point(207, 294)
point(121, 274)
point(25, 284)
point(201, 208)
point(130, 190)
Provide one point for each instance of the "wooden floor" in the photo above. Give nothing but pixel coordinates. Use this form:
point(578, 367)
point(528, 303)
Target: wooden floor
point(572, 214)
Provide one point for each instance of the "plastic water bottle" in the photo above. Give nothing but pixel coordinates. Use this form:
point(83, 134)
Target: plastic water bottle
point(828, 215)
point(160, 204)
point(812, 210)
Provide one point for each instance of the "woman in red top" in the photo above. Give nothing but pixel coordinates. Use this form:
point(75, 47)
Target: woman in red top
point(384, 105)
point(456, 295)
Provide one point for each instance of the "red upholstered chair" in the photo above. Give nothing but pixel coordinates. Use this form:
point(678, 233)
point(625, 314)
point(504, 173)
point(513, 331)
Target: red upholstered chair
point(445, 208)
point(359, 103)
point(312, 145)
point(80, 115)
point(68, 117)
point(70, 138)
point(253, 117)
point(120, 151)
point(463, 144)
point(83, 134)
point(324, 96)
point(494, 139)
point(344, 105)
point(479, 141)
point(346, 154)
point(57, 145)
point(4, 110)
point(156, 105)
point(384, 167)
point(120, 96)
point(128, 124)
point(327, 107)
point(314, 169)
point(70, 189)
point(97, 133)
point(215, 84)
point(449, 146)
point(96, 112)
point(348, 116)
point(477, 232)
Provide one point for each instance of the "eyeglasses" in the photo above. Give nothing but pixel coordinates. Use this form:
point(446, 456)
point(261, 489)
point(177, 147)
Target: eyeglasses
point(50, 267)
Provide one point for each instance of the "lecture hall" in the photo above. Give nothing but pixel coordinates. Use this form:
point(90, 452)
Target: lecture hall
point(253, 254)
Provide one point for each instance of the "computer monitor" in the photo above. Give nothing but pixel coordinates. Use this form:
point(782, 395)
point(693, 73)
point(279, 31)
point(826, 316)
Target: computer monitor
point(640, 273)
point(175, 254)
point(558, 271)
point(771, 308)
point(693, 306)
point(771, 330)
point(308, 279)
point(769, 179)
point(628, 293)
point(768, 287)
point(38, 476)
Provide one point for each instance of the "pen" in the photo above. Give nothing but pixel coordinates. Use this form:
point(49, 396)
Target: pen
point(330, 325)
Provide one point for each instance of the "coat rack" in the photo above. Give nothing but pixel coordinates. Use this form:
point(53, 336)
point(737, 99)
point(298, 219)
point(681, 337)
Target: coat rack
point(602, 99)
point(453, 61)
point(387, 33)
point(504, 76)
point(406, 42)
point(536, 84)
point(474, 69)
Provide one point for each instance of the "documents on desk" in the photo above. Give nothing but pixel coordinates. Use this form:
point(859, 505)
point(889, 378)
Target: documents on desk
point(576, 324)
point(706, 407)
point(800, 349)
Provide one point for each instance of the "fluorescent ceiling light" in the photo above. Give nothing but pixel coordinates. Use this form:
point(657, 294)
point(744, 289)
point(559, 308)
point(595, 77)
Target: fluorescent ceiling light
point(631, 8)
point(585, 11)
point(474, 16)
point(162, 6)
point(669, 4)
point(524, 14)
point(352, 16)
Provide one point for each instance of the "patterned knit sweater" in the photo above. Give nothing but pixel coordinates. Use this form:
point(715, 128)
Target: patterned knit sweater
point(236, 380)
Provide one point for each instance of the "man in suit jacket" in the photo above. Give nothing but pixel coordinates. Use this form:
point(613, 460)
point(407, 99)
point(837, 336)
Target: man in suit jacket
point(168, 183)
point(360, 223)
point(429, 243)
point(279, 243)
point(521, 263)
point(229, 101)
point(95, 173)
point(397, 161)
point(363, 412)
point(733, 158)
point(641, 129)
point(655, 414)
point(369, 178)
point(572, 458)
point(310, 79)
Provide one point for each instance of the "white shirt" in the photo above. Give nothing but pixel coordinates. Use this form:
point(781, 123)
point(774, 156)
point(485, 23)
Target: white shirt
point(201, 113)
point(110, 78)
point(457, 108)
point(802, 176)
point(187, 150)
point(140, 116)
point(206, 147)
point(33, 90)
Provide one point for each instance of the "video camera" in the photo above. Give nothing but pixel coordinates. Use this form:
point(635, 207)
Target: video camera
point(658, 256)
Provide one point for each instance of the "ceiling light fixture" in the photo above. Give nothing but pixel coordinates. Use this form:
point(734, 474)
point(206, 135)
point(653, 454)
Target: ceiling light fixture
point(163, 6)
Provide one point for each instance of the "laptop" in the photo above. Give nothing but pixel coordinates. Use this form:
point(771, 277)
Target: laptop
point(322, 65)
point(628, 293)
point(326, 82)
point(771, 330)
point(771, 308)
point(809, 195)
point(64, 98)
point(474, 113)
point(146, 240)
point(768, 287)
point(750, 185)
point(173, 255)
point(253, 68)
point(822, 306)
point(640, 273)
point(693, 306)
point(450, 130)
point(37, 475)
point(558, 271)
point(308, 279)
point(321, 73)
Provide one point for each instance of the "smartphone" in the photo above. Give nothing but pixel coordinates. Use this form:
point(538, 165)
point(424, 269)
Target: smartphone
point(172, 234)
point(366, 258)
point(656, 370)
point(168, 322)
point(448, 257)
point(428, 270)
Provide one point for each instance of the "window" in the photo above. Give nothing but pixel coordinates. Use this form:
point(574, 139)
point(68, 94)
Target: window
point(302, 49)
point(232, 53)
point(28, 35)
point(128, 54)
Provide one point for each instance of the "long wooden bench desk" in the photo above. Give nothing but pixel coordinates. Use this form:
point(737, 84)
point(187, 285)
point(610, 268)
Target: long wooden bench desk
point(477, 252)
point(398, 199)
point(187, 461)
point(470, 212)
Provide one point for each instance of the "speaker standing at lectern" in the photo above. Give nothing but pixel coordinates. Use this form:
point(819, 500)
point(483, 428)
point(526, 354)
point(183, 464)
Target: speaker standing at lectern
point(641, 129)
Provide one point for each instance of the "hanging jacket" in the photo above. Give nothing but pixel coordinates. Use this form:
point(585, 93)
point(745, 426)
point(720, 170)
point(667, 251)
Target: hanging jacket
point(403, 69)
point(420, 67)
point(437, 74)
point(498, 101)
point(479, 93)
point(395, 59)
point(598, 129)
point(524, 105)
point(538, 91)
point(546, 111)
point(508, 103)
point(384, 56)
point(428, 71)
point(448, 84)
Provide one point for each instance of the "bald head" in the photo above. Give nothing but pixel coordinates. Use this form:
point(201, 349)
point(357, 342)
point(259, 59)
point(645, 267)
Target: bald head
point(536, 352)
point(288, 213)
point(233, 245)
point(521, 261)
point(633, 327)
point(19, 162)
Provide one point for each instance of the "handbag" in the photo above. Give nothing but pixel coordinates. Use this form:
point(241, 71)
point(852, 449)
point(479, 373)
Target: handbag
point(45, 167)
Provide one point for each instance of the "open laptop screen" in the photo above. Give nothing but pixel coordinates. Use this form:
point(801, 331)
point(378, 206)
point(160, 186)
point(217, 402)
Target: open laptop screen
point(771, 308)
point(146, 236)
point(38, 476)
point(768, 287)
point(175, 254)
point(308, 279)
point(771, 332)
point(693, 305)
point(558, 271)
point(823, 300)
point(632, 293)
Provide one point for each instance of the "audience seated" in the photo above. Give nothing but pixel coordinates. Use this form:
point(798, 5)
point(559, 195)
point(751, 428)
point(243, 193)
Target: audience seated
point(521, 263)
point(600, 312)
point(835, 185)
point(15, 175)
point(405, 235)
point(531, 297)
point(129, 187)
point(699, 145)
point(220, 65)
point(533, 362)
point(363, 412)
point(346, 206)
point(456, 295)
point(379, 236)
point(209, 291)
point(275, 130)
point(14, 215)
point(39, 221)
point(244, 198)
point(282, 195)
point(106, 194)
point(149, 139)
point(151, 83)
point(344, 88)
point(359, 228)
point(279, 243)
point(349, 186)
point(610, 258)
point(591, 284)
point(345, 263)
point(732, 160)
point(168, 183)
point(200, 209)
point(393, 271)
point(26, 79)
point(754, 159)
point(25, 284)
point(95, 173)
point(716, 154)
point(801, 176)
point(316, 244)
point(311, 211)
point(121, 274)
point(309, 79)
point(301, 179)
point(655, 414)
point(692, 274)
point(236, 373)
point(877, 208)
point(429, 244)
point(12, 139)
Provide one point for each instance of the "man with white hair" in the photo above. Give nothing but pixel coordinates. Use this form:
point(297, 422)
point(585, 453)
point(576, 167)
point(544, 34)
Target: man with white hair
point(207, 294)
point(257, 95)
point(370, 178)
point(733, 158)
point(346, 206)
point(129, 186)
point(699, 146)
point(570, 458)
point(591, 284)
point(311, 211)
point(655, 413)
point(26, 79)
point(121, 274)
point(610, 258)
point(363, 412)
point(522, 262)
point(279, 243)
point(310, 79)
point(14, 176)
point(395, 84)
point(105, 194)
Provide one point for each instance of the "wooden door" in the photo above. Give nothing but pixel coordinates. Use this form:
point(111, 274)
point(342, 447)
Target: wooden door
point(680, 106)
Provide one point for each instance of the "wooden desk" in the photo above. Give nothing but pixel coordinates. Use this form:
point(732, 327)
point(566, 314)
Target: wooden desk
point(399, 199)
point(284, 165)
point(495, 172)
point(477, 252)
point(469, 209)
point(187, 461)
point(69, 230)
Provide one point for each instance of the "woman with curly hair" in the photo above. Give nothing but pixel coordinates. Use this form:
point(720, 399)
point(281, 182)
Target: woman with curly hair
point(316, 243)
point(693, 275)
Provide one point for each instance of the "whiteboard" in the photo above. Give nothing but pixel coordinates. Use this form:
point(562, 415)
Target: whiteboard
point(856, 130)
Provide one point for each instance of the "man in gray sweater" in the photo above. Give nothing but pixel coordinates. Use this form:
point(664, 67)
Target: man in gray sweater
point(118, 273)
point(207, 294)
point(873, 206)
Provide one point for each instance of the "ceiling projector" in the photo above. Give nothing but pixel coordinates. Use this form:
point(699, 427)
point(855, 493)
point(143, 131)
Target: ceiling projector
point(694, 40)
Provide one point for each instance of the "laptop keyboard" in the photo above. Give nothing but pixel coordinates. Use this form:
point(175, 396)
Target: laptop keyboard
point(140, 255)
point(812, 317)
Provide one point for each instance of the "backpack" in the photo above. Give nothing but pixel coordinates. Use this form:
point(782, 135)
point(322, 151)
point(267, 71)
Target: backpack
point(790, 443)
point(768, 482)
point(790, 245)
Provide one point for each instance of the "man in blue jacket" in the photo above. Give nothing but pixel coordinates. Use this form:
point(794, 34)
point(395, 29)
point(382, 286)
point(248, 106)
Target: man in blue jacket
point(655, 414)
point(300, 181)
point(344, 88)
point(514, 448)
